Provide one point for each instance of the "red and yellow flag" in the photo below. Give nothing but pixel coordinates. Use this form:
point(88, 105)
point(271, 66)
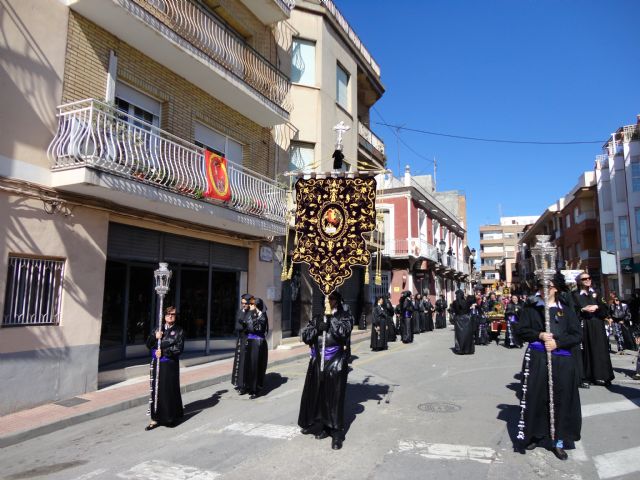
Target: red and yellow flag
point(217, 177)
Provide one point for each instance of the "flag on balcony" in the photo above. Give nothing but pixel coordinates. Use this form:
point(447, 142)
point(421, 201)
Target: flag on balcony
point(217, 177)
point(331, 216)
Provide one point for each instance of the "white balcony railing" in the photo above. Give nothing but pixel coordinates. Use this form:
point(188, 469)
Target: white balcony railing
point(410, 247)
point(91, 133)
point(585, 216)
point(370, 137)
point(191, 22)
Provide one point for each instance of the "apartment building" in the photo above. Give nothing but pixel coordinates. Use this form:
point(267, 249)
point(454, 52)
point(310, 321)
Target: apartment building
point(424, 237)
point(572, 224)
point(617, 172)
point(115, 117)
point(335, 79)
point(498, 250)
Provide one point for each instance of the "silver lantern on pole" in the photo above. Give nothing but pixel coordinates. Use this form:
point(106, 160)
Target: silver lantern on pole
point(162, 277)
point(544, 256)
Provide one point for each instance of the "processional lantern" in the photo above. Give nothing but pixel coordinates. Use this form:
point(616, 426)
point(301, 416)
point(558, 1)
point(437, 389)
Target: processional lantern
point(162, 277)
point(544, 257)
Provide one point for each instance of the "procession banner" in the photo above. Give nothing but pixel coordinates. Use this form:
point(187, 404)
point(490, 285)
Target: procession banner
point(217, 177)
point(331, 216)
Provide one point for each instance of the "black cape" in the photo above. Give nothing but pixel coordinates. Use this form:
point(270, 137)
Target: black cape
point(169, 410)
point(379, 329)
point(323, 394)
point(406, 321)
point(391, 328)
point(464, 326)
point(535, 388)
point(441, 316)
point(255, 352)
point(237, 374)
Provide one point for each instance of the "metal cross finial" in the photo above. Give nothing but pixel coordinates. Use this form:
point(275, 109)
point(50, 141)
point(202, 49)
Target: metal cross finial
point(340, 128)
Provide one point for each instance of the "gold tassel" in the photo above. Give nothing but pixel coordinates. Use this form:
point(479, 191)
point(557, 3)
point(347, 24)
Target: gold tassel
point(283, 274)
point(290, 272)
point(327, 307)
point(366, 274)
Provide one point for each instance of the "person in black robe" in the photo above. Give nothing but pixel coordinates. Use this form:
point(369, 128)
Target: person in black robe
point(596, 362)
point(533, 427)
point(480, 320)
point(620, 321)
point(237, 374)
point(390, 314)
point(428, 310)
point(441, 312)
point(511, 316)
point(168, 410)
point(256, 326)
point(406, 317)
point(416, 317)
point(463, 324)
point(322, 402)
point(379, 326)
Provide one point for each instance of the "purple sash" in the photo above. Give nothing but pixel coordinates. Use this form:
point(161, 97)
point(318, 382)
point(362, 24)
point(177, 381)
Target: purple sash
point(329, 352)
point(162, 358)
point(539, 346)
point(253, 336)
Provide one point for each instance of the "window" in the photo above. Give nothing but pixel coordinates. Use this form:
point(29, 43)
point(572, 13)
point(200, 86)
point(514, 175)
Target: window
point(621, 188)
point(137, 104)
point(635, 173)
point(609, 237)
point(576, 215)
point(33, 292)
point(342, 82)
point(567, 221)
point(208, 138)
point(301, 156)
point(637, 213)
point(606, 195)
point(303, 62)
point(623, 227)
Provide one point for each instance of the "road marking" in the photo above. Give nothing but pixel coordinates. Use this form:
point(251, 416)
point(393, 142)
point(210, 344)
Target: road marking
point(89, 475)
point(610, 407)
point(266, 430)
point(162, 470)
point(579, 453)
point(446, 451)
point(618, 463)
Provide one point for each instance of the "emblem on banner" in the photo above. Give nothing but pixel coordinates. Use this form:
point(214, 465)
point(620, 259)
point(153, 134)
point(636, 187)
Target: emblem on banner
point(217, 177)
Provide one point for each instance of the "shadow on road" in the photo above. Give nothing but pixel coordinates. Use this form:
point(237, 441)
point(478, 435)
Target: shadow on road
point(628, 372)
point(194, 408)
point(272, 381)
point(632, 393)
point(510, 414)
point(357, 395)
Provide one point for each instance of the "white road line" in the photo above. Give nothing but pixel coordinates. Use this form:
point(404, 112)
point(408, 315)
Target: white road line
point(161, 470)
point(610, 407)
point(89, 475)
point(618, 463)
point(266, 430)
point(446, 451)
point(579, 453)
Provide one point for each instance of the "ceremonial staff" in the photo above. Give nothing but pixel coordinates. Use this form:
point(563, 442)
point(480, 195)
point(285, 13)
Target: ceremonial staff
point(162, 278)
point(544, 257)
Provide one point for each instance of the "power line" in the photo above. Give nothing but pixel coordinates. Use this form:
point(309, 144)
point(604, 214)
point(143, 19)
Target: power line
point(399, 138)
point(479, 139)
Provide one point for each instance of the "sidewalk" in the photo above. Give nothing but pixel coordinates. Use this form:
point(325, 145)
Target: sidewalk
point(26, 424)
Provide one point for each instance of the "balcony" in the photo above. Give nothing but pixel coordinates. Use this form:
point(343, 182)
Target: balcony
point(101, 152)
point(410, 247)
point(270, 11)
point(184, 37)
point(370, 143)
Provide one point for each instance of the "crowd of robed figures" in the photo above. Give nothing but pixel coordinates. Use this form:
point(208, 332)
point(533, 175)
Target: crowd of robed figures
point(578, 342)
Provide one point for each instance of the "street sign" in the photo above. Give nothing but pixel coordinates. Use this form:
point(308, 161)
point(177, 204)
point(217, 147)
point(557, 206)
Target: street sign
point(626, 265)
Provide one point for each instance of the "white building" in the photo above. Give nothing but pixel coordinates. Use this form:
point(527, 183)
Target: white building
point(618, 177)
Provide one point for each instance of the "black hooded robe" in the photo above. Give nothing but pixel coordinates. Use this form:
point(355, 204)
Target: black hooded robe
point(323, 394)
point(256, 351)
point(464, 325)
point(169, 410)
point(534, 420)
point(406, 320)
point(379, 329)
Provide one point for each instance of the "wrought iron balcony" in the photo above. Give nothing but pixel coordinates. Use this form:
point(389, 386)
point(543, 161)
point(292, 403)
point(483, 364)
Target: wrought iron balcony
point(93, 134)
point(410, 247)
point(373, 144)
point(184, 37)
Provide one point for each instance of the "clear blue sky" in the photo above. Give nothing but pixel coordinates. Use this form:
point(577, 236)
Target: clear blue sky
point(532, 70)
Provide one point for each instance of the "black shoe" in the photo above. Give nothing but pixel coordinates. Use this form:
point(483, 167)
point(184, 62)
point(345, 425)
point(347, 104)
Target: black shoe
point(560, 453)
point(323, 434)
point(253, 396)
point(336, 443)
point(531, 445)
point(308, 430)
point(151, 426)
point(242, 391)
point(584, 385)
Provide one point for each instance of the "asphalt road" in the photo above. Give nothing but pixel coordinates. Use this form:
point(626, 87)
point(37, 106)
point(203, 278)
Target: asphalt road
point(414, 411)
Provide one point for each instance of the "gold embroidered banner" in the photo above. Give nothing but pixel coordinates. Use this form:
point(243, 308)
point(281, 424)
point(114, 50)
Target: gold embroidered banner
point(331, 216)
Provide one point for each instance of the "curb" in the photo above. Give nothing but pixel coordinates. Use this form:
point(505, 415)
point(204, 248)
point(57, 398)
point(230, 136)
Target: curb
point(19, 437)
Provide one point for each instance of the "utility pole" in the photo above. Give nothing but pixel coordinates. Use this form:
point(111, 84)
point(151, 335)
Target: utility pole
point(435, 170)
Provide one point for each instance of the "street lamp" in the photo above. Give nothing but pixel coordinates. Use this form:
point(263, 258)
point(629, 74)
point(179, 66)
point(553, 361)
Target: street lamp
point(544, 257)
point(162, 277)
